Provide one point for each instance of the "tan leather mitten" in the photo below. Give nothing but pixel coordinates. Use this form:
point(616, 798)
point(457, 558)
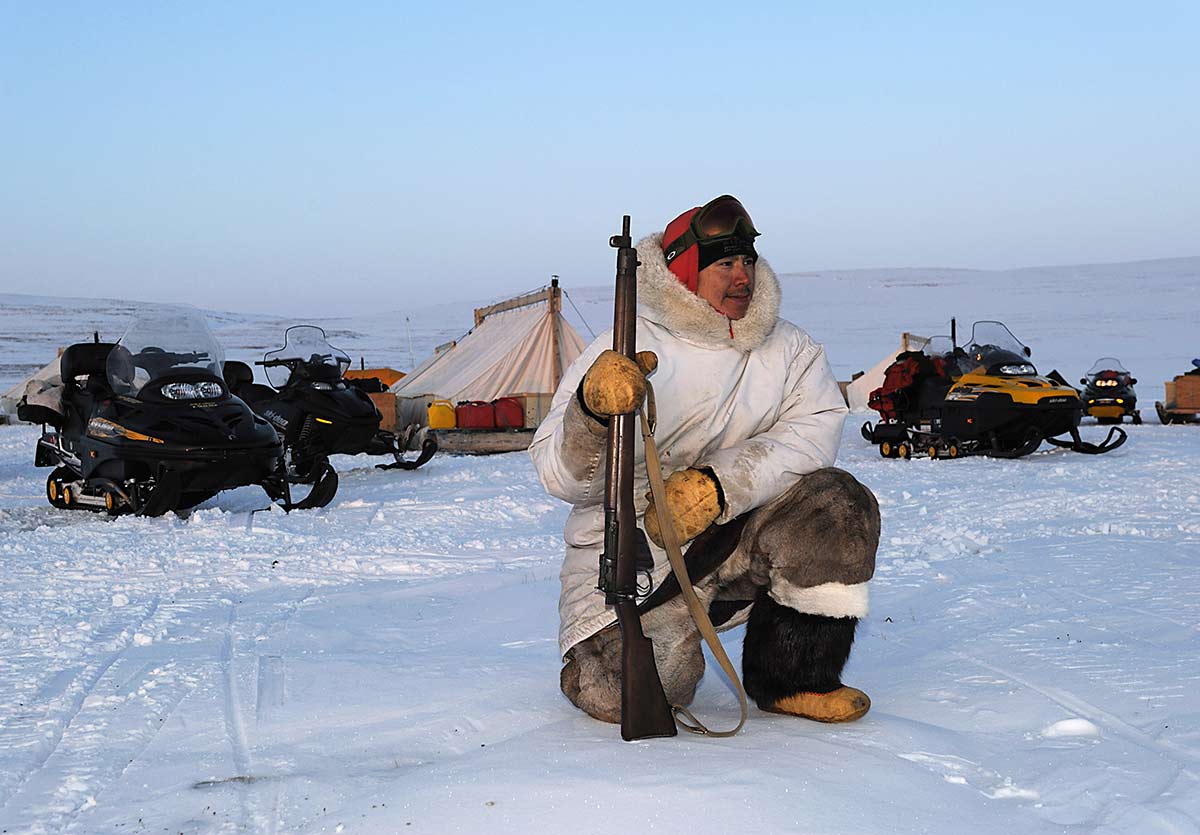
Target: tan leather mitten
point(694, 502)
point(615, 384)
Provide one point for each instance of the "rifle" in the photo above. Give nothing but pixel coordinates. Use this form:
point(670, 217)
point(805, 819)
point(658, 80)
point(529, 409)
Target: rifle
point(644, 709)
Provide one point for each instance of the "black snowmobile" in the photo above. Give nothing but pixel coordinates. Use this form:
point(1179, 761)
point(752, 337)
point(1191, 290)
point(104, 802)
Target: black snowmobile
point(982, 399)
point(146, 425)
point(1108, 394)
point(319, 413)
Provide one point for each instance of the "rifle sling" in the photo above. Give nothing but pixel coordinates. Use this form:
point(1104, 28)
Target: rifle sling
point(695, 607)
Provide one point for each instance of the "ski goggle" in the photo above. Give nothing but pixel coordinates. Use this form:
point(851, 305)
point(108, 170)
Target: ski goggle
point(724, 217)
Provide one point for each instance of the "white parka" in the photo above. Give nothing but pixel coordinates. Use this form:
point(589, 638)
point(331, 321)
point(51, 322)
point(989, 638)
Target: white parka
point(754, 399)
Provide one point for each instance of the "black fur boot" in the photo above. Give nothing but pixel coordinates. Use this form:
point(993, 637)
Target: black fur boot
point(792, 662)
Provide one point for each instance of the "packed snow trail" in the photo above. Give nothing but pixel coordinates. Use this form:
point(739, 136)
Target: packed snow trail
point(389, 663)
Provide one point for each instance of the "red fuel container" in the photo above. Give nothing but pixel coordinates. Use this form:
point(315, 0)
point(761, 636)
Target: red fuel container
point(475, 414)
point(510, 414)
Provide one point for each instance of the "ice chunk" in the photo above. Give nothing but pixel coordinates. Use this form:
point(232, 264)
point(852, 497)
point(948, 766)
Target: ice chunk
point(1072, 727)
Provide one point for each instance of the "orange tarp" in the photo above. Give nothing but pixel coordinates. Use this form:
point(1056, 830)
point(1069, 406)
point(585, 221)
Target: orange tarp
point(388, 376)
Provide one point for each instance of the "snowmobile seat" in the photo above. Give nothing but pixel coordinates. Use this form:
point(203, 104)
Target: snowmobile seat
point(240, 380)
point(237, 374)
point(958, 362)
point(34, 413)
point(84, 359)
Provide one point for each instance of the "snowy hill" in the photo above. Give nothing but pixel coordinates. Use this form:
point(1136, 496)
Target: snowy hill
point(389, 663)
point(1142, 312)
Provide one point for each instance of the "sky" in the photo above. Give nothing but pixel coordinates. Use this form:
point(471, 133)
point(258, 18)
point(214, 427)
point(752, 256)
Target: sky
point(332, 157)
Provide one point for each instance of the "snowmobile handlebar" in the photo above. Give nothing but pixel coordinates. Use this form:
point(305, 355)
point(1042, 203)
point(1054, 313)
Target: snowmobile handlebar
point(170, 357)
point(292, 362)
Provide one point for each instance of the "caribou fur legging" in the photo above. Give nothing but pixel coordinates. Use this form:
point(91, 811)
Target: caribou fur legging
point(795, 571)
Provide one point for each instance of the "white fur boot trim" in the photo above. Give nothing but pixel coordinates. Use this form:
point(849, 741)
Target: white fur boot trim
point(835, 600)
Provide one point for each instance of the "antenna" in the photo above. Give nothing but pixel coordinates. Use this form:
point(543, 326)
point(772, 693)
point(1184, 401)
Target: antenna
point(412, 362)
point(953, 333)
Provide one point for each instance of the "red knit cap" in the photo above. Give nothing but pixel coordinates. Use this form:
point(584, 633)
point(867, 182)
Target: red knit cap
point(687, 265)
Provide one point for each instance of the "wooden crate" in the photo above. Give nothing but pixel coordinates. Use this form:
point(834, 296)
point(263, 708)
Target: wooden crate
point(537, 406)
point(385, 402)
point(1186, 394)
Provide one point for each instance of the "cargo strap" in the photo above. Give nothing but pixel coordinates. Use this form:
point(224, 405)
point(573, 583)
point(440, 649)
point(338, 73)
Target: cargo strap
point(695, 607)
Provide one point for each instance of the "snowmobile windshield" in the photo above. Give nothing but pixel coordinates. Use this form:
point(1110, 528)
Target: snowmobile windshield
point(1107, 364)
point(938, 346)
point(1107, 371)
point(995, 350)
point(954, 361)
point(307, 354)
point(170, 342)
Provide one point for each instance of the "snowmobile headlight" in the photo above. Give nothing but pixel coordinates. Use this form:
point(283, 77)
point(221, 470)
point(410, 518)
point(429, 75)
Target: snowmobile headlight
point(1023, 369)
point(1121, 400)
point(206, 390)
point(102, 428)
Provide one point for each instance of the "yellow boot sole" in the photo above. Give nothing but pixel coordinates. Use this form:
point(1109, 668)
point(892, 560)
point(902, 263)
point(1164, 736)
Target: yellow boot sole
point(842, 705)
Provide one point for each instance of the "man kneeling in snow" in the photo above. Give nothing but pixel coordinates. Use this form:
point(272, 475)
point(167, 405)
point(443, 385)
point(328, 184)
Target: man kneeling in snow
point(749, 421)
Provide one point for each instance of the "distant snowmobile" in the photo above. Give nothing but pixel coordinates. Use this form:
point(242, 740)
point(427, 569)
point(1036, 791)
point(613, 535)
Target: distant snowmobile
point(147, 425)
point(982, 399)
point(318, 413)
point(1108, 392)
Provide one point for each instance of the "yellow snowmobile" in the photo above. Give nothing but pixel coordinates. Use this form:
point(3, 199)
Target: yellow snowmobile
point(985, 398)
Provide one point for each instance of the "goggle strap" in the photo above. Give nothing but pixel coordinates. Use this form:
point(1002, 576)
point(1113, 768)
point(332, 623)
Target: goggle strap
point(680, 245)
point(689, 238)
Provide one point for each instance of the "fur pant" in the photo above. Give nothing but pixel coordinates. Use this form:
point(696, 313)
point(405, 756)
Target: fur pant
point(794, 570)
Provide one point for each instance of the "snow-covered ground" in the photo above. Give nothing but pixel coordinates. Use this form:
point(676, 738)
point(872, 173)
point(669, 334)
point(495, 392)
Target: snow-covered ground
point(389, 663)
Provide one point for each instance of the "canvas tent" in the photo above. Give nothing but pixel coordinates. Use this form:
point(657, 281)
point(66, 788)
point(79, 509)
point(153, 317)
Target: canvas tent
point(47, 375)
point(860, 388)
point(517, 347)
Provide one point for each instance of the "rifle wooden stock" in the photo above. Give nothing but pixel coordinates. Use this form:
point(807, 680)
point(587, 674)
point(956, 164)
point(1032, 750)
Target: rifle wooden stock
point(644, 709)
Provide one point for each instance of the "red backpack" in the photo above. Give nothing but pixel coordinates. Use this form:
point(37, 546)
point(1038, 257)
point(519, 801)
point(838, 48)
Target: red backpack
point(898, 381)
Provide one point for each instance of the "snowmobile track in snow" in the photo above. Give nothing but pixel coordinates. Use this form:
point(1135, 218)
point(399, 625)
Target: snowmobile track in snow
point(67, 699)
point(256, 816)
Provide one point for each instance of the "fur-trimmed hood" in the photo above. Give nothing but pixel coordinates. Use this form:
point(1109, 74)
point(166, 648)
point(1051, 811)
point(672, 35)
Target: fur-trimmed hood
point(663, 299)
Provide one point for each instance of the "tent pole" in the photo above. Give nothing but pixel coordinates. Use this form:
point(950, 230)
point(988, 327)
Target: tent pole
point(554, 297)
